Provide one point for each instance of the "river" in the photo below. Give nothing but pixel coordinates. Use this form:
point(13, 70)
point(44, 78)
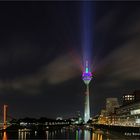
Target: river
point(67, 134)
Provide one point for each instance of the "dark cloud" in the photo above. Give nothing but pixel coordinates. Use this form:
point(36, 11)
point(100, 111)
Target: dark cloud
point(62, 69)
point(121, 64)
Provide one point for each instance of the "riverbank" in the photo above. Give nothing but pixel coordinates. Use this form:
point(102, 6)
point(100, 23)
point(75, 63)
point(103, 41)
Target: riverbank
point(121, 129)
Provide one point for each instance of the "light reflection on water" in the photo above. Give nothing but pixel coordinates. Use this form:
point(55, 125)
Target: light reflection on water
point(47, 135)
point(23, 134)
point(4, 136)
point(86, 135)
point(79, 134)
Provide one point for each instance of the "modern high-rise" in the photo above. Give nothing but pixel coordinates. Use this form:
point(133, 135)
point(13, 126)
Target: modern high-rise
point(131, 98)
point(111, 104)
point(128, 98)
point(129, 112)
point(87, 76)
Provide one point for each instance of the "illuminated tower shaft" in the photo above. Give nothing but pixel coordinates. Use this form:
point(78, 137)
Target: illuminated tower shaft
point(87, 106)
point(87, 76)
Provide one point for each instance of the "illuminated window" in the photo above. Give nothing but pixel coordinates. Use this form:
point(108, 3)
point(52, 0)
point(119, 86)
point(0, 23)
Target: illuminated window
point(137, 111)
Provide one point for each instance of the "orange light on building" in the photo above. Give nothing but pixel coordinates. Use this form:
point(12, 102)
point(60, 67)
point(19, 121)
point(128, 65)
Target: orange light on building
point(5, 117)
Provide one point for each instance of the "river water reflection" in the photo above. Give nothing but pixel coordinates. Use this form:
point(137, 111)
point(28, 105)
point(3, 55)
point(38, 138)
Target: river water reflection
point(65, 134)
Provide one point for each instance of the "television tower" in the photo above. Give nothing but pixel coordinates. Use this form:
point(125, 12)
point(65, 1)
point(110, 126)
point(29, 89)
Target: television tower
point(87, 76)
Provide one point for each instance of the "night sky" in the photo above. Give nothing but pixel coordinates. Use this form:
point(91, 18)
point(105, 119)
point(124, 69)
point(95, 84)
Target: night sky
point(41, 55)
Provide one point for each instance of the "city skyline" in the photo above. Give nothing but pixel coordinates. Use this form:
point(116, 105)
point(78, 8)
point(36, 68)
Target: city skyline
point(41, 56)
